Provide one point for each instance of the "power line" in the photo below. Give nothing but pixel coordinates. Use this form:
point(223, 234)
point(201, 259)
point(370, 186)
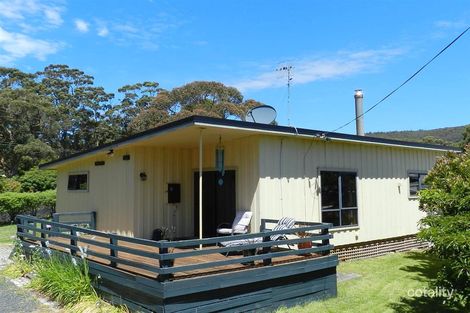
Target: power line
point(402, 84)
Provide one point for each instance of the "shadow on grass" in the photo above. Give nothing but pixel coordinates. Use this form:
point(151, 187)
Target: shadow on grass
point(426, 266)
point(426, 269)
point(423, 304)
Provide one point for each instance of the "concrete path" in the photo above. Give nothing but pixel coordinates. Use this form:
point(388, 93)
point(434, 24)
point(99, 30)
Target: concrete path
point(13, 298)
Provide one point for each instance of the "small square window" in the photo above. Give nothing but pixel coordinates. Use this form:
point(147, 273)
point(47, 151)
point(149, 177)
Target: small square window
point(416, 181)
point(78, 182)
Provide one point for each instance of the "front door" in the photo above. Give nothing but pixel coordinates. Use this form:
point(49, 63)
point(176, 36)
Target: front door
point(218, 201)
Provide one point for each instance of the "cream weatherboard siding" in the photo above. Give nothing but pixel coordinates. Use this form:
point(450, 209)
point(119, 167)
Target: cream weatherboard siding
point(276, 176)
point(110, 192)
point(177, 165)
point(128, 205)
point(290, 183)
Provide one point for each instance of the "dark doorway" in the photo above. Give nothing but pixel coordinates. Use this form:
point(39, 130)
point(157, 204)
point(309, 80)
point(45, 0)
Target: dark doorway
point(218, 201)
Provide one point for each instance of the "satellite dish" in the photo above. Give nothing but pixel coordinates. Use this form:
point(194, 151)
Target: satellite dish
point(264, 114)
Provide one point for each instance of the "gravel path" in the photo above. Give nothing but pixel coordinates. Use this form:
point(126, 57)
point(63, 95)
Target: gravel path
point(14, 299)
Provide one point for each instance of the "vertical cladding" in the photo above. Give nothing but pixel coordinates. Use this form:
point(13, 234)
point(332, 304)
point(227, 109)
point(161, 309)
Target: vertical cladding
point(165, 165)
point(162, 165)
point(109, 191)
point(384, 207)
point(275, 176)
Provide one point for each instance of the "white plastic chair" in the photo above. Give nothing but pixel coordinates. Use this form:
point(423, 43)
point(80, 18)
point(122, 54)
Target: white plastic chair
point(239, 226)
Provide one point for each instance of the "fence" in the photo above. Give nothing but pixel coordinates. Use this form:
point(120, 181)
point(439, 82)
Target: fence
point(159, 257)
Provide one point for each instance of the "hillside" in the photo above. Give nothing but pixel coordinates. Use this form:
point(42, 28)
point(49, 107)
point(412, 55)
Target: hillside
point(447, 135)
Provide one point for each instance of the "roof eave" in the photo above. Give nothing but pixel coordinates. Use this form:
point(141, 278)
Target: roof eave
point(255, 127)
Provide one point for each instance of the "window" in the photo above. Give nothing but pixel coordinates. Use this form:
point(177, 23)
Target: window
point(339, 198)
point(78, 182)
point(416, 180)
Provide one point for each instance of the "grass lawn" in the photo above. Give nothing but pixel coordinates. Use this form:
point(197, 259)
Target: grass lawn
point(6, 232)
point(382, 287)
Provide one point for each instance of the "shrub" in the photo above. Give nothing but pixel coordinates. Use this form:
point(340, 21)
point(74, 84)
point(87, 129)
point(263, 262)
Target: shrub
point(15, 203)
point(38, 180)
point(61, 279)
point(447, 225)
point(9, 185)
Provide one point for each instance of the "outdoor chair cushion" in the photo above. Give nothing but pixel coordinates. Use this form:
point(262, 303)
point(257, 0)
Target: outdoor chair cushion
point(239, 226)
point(283, 223)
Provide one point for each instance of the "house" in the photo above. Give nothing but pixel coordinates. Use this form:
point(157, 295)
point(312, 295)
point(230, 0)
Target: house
point(366, 187)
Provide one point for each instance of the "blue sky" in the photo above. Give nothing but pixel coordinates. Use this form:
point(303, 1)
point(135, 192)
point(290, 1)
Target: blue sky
point(334, 47)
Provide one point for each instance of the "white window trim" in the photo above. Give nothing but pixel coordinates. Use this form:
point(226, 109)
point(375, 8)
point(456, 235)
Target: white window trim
point(87, 173)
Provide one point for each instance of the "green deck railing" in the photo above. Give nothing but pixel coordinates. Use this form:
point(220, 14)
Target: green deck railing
point(46, 233)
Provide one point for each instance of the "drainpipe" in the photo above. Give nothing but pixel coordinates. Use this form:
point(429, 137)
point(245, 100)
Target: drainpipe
point(358, 100)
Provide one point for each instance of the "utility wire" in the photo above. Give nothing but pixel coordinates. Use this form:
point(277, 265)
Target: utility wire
point(402, 84)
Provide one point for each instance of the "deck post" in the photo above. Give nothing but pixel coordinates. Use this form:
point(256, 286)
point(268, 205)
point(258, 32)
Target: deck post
point(55, 218)
point(73, 242)
point(43, 234)
point(19, 229)
point(164, 264)
point(325, 242)
point(266, 250)
point(93, 220)
point(113, 252)
point(262, 227)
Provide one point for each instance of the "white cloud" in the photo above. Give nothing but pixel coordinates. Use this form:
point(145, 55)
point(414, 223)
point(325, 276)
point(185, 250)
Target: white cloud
point(81, 26)
point(53, 16)
point(443, 24)
point(32, 14)
point(14, 46)
point(103, 31)
point(320, 68)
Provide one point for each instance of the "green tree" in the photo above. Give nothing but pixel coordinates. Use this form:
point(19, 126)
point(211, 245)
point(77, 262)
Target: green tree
point(78, 109)
point(36, 180)
point(137, 98)
point(436, 141)
point(24, 120)
point(197, 98)
point(466, 137)
point(447, 224)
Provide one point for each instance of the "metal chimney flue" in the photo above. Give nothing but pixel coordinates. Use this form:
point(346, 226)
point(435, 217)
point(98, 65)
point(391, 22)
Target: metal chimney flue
point(358, 100)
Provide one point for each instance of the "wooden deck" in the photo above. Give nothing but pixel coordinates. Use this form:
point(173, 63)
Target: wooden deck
point(177, 276)
point(207, 258)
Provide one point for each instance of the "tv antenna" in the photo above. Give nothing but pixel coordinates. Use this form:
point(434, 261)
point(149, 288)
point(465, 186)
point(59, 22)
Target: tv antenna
point(288, 70)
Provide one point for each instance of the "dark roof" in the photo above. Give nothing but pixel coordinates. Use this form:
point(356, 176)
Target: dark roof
point(192, 120)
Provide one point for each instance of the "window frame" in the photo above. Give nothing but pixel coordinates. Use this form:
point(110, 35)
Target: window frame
point(87, 173)
point(340, 196)
point(419, 173)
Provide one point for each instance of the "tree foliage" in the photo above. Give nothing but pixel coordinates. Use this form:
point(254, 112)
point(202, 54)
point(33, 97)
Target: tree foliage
point(14, 203)
point(38, 180)
point(466, 137)
point(60, 111)
point(197, 98)
point(447, 225)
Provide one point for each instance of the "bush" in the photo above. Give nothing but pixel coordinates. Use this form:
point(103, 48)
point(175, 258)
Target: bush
point(14, 203)
point(61, 279)
point(38, 180)
point(447, 225)
point(9, 185)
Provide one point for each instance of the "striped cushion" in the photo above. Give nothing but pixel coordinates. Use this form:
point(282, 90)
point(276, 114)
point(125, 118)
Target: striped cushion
point(284, 223)
point(241, 242)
